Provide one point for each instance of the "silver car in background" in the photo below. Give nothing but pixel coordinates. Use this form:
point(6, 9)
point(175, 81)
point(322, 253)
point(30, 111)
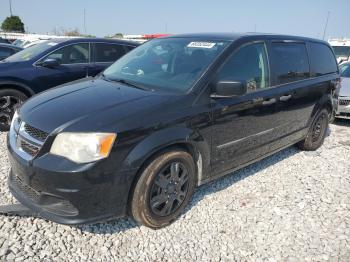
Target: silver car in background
point(344, 95)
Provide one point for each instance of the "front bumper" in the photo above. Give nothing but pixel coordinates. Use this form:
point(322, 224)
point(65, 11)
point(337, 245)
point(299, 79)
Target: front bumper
point(343, 108)
point(68, 193)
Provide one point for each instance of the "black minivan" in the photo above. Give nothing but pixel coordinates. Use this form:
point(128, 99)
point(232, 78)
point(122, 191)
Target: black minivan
point(172, 114)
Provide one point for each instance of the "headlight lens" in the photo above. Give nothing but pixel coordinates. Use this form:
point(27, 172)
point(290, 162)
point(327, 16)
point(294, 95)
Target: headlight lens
point(83, 147)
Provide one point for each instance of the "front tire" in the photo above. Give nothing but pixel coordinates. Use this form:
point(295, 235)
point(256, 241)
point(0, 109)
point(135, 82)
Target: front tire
point(164, 189)
point(10, 100)
point(317, 132)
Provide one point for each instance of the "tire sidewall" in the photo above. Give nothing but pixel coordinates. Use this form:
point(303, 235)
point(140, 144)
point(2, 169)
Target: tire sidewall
point(141, 210)
point(314, 145)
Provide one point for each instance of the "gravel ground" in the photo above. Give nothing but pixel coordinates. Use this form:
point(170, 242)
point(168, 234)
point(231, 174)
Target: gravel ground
point(291, 206)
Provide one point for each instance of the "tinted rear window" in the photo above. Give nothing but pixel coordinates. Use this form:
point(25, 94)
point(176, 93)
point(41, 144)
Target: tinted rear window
point(290, 62)
point(322, 60)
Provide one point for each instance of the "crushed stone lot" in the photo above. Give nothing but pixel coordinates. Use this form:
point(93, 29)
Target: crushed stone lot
point(292, 206)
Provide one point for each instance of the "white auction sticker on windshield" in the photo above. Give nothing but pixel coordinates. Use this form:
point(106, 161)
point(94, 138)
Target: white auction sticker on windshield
point(201, 45)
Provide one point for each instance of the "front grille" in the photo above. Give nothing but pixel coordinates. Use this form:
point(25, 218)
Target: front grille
point(29, 148)
point(27, 190)
point(36, 133)
point(344, 102)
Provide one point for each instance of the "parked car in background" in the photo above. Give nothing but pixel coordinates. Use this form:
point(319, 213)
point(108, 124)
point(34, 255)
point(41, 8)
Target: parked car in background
point(52, 63)
point(344, 94)
point(341, 49)
point(7, 50)
point(174, 113)
point(4, 41)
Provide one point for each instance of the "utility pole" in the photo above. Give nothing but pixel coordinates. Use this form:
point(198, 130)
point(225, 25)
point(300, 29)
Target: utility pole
point(10, 7)
point(325, 26)
point(84, 22)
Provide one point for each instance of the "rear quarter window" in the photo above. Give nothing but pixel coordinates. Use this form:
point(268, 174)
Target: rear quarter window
point(322, 60)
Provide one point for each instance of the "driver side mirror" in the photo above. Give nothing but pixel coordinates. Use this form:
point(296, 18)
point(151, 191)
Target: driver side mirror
point(50, 63)
point(229, 88)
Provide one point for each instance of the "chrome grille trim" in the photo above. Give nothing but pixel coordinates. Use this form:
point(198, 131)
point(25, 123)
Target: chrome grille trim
point(344, 102)
point(26, 140)
point(35, 133)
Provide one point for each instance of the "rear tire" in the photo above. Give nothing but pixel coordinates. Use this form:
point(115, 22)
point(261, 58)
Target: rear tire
point(317, 132)
point(10, 100)
point(164, 189)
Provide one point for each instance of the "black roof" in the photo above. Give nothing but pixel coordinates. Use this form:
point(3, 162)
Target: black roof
point(236, 36)
point(93, 39)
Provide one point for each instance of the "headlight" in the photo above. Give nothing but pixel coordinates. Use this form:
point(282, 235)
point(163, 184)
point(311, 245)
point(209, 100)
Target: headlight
point(83, 147)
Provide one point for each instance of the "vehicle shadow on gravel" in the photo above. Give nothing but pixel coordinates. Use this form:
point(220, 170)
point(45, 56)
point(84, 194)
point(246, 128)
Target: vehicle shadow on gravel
point(124, 224)
point(234, 177)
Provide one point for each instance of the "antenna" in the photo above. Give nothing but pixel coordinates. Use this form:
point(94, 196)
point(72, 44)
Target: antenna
point(325, 26)
point(10, 7)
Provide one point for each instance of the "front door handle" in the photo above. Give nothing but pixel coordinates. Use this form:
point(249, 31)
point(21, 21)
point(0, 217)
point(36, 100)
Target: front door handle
point(285, 98)
point(269, 101)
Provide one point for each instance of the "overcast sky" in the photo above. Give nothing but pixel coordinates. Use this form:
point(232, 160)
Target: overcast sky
point(105, 17)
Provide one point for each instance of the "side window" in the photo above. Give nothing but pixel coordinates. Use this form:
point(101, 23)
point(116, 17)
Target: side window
point(248, 65)
point(72, 54)
point(290, 62)
point(129, 48)
point(322, 60)
point(5, 52)
point(108, 52)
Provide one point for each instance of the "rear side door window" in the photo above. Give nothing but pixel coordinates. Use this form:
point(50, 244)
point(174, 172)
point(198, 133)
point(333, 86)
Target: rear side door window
point(72, 54)
point(322, 60)
point(108, 53)
point(5, 52)
point(290, 62)
point(248, 65)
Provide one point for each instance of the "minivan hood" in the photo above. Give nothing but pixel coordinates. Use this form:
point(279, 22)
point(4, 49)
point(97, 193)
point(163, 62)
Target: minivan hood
point(69, 104)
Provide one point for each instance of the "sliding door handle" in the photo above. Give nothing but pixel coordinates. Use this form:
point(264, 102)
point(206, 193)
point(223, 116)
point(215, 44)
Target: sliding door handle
point(269, 101)
point(285, 98)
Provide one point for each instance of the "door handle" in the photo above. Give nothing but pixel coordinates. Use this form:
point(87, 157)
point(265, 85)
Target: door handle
point(285, 98)
point(269, 101)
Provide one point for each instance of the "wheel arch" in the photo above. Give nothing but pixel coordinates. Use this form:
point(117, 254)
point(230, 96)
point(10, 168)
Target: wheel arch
point(325, 102)
point(17, 86)
point(178, 138)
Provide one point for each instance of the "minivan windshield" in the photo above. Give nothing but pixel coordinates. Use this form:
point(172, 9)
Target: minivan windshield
point(30, 52)
point(169, 64)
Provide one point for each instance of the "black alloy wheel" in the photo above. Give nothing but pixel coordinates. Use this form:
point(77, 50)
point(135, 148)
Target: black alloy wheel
point(164, 188)
point(169, 189)
point(317, 132)
point(8, 106)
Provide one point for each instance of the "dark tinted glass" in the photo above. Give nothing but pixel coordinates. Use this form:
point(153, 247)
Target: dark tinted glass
point(108, 52)
point(345, 70)
point(322, 60)
point(72, 54)
point(290, 62)
point(5, 52)
point(248, 65)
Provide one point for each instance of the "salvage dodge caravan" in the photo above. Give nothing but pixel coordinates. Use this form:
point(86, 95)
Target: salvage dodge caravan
point(172, 114)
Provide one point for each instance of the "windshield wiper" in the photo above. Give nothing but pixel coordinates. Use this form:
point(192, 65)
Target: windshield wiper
point(125, 82)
